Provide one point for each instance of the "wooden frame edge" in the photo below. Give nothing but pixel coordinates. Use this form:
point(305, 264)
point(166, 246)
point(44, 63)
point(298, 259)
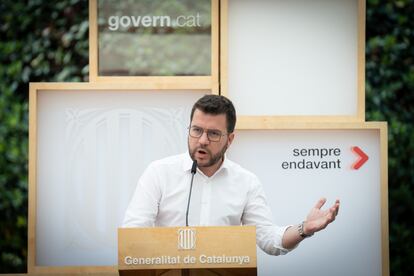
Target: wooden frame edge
point(162, 83)
point(384, 200)
point(215, 50)
point(316, 125)
point(93, 40)
point(31, 229)
point(271, 122)
point(75, 270)
point(224, 42)
point(103, 86)
point(361, 60)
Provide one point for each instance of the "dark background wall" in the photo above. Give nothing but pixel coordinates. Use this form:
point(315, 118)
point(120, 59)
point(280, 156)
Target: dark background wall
point(48, 41)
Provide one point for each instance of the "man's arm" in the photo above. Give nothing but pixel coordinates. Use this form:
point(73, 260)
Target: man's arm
point(316, 220)
point(257, 212)
point(143, 207)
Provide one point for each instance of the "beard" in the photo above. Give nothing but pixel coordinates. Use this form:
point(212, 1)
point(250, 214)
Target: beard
point(212, 160)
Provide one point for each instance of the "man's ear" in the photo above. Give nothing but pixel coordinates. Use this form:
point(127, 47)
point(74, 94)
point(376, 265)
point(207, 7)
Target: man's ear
point(230, 139)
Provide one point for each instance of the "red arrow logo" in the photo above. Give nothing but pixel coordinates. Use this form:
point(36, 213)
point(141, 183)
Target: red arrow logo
point(361, 160)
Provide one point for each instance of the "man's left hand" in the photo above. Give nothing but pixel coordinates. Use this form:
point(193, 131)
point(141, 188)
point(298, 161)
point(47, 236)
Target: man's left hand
point(318, 219)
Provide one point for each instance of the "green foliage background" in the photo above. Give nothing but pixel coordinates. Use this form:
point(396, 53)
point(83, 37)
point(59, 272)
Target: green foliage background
point(39, 41)
point(48, 41)
point(390, 97)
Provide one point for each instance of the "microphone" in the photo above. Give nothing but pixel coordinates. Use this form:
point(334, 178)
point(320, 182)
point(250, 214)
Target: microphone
point(193, 172)
point(194, 168)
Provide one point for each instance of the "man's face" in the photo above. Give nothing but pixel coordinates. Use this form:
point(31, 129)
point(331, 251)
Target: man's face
point(208, 154)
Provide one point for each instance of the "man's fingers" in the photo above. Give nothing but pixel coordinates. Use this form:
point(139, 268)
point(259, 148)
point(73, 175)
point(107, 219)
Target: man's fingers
point(331, 217)
point(334, 210)
point(320, 203)
point(336, 207)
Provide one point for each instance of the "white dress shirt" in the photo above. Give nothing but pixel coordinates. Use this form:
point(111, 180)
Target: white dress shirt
point(232, 196)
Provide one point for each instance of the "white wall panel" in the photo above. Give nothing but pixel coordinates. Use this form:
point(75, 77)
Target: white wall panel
point(349, 246)
point(92, 147)
point(293, 57)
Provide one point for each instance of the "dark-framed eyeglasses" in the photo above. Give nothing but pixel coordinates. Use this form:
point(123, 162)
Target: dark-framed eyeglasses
point(213, 135)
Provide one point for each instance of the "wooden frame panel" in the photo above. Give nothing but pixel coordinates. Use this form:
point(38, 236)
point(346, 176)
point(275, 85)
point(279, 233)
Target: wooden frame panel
point(360, 113)
point(33, 268)
point(266, 123)
point(251, 124)
point(158, 82)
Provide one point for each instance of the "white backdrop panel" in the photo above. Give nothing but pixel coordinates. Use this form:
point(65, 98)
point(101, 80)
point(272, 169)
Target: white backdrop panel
point(352, 244)
point(293, 57)
point(92, 147)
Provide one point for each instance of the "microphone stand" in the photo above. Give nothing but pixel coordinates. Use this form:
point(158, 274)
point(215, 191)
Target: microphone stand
point(193, 172)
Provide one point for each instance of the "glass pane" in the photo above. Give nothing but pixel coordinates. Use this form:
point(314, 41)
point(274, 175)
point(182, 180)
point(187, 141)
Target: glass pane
point(154, 38)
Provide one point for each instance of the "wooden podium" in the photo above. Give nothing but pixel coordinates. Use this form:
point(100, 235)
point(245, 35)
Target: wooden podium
point(218, 250)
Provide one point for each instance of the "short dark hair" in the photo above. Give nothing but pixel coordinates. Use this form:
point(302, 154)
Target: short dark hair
point(216, 105)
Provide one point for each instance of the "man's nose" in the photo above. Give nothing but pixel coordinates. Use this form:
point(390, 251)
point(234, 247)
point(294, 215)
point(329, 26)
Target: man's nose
point(204, 138)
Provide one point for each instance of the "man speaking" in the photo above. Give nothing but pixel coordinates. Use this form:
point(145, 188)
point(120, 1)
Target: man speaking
point(203, 188)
